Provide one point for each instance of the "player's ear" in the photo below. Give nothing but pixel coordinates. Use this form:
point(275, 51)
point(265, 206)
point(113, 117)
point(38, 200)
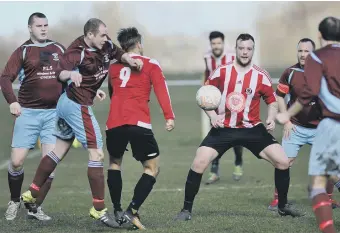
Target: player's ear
point(29, 28)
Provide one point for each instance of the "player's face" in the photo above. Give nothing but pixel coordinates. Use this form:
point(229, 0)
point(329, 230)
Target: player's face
point(217, 46)
point(304, 48)
point(244, 52)
point(100, 38)
point(39, 29)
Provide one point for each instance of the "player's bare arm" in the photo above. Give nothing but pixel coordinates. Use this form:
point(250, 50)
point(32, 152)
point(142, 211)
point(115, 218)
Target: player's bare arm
point(272, 112)
point(216, 120)
point(284, 117)
point(74, 76)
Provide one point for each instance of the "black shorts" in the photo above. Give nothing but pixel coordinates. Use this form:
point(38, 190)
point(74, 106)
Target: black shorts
point(254, 139)
point(142, 141)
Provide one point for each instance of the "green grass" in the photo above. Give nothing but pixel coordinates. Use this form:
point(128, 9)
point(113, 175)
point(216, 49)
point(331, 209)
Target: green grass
point(225, 207)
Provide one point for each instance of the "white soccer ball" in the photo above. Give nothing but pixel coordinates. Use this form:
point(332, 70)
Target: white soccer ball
point(208, 97)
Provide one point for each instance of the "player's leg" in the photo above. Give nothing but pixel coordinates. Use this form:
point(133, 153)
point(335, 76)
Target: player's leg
point(263, 144)
point(238, 171)
point(324, 160)
point(116, 143)
point(87, 131)
point(291, 147)
point(65, 135)
point(217, 142)
point(145, 149)
point(25, 134)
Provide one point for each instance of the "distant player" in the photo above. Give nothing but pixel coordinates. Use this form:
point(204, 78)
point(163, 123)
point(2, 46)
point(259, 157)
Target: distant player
point(301, 129)
point(35, 62)
point(218, 56)
point(85, 65)
point(237, 122)
point(322, 82)
point(129, 122)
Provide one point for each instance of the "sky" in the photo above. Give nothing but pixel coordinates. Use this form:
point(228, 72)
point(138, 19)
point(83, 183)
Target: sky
point(160, 18)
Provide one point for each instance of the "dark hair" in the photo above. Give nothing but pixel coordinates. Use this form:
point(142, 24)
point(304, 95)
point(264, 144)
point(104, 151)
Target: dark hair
point(245, 36)
point(92, 25)
point(128, 38)
point(330, 29)
point(304, 40)
point(216, 34)
point(36, 14)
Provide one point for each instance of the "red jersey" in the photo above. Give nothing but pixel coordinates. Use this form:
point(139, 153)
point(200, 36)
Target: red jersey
point(212, 62)
point(241, 93)
point(130, 93)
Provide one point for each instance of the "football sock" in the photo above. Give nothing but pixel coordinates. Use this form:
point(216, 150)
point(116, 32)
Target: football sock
point(330, 188)
point(337, 185)
point(276, 196)
point(282, 180)
point(44, 190)
point(15, 179)
point(191, 189)
point(323, 210)
point(142, 191)
point(115, 184)
point(238, 155)
point(95, 174)
point(215, 165)
point(47, 165)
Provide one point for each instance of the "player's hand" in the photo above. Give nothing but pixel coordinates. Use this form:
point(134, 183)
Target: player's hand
point(101, 95)
point(76, 78)
point(136, 63)
point(169, 124)
point(270, 125)
point(217, 121)
point(287, 129)
point(283, 118)
point(15, 109)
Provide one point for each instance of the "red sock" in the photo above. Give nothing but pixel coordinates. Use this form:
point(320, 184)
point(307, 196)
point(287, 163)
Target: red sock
point(323, 213)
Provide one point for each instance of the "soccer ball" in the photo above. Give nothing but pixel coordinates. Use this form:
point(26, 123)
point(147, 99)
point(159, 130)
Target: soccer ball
point(76, 143)
point(208, 97)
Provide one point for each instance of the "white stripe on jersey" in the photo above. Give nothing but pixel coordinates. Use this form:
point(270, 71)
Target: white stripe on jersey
point(252, 86)
point(221, 108)
point(238, 89)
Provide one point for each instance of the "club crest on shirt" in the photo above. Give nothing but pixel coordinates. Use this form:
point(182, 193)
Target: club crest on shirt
point(249, 91)
point(235, 102)
point(106, 58)
point(55, 56)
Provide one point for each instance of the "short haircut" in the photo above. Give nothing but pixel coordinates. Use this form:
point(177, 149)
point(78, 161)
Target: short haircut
point(216, 34)
point(329, 28)
point(245, 36)
point(304, 40)
point(36, 14)
point(92, 25)
point(128, 38)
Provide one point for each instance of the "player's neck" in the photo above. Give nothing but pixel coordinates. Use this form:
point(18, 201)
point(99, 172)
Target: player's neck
point(242, 69)
point(35, 41)
point(87, 42)
point(134, 51)
point(330, 42)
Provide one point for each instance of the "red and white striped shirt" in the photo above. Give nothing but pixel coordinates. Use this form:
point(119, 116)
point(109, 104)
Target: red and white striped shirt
point(212, 62)
point(241, 93)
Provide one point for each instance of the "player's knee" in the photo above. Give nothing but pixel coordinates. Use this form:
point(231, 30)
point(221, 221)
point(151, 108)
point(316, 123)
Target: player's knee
point(96, 155)
point(291, 161)
point(203, 158)
point(151, 169)
point(17, 163)
point(282, 164)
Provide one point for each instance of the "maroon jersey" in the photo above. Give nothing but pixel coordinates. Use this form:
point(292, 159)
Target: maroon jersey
point(35, 65)
point(322, 80)
point(289, 83)
point(92, 64)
